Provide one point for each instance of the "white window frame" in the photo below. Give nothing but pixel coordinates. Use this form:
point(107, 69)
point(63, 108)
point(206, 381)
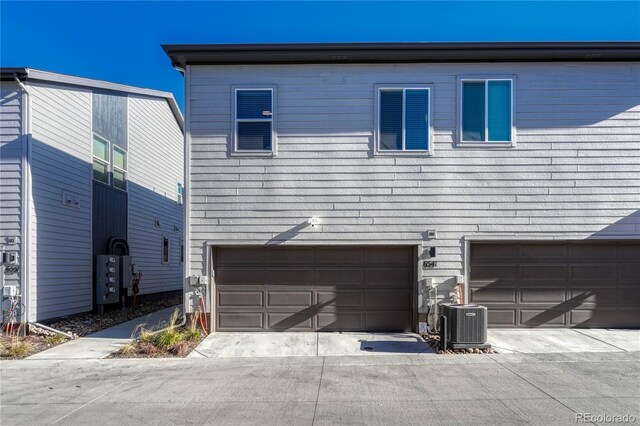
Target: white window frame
point(486, 143)
point(165, 262)
point(378, 104)
point(125, 171)
point(100, 160)
point(236, 120)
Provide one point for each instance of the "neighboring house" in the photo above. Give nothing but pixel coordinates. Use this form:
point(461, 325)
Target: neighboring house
point(330, 186)
point(83, 161)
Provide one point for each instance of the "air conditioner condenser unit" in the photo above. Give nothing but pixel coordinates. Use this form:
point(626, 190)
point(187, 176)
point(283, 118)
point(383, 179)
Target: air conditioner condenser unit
point(463, 326)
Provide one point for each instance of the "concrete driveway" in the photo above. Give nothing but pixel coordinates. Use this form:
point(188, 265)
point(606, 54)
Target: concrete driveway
point(563, 340)
point(550, 389)
point(222, 345)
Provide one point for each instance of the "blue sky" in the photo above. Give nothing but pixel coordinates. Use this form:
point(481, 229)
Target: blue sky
point(120, 41)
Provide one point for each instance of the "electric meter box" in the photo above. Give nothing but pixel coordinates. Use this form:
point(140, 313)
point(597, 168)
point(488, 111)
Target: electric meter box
point(108, 279)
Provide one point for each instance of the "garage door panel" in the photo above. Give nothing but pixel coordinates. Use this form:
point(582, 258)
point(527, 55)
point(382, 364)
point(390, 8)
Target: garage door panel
point(543, 251)
point(252, 299)
point(595, 295)
point(629, 252)
point(339, 276)
point(341, 255)
point(341, 321)
point(387, 299)
point(240, 276)
point(289, 255)
point(630, 296)
point(240, 256)
point(542, 295)
point(387, 256)
point(494, 272)
point(543, 272)
point(502, 317)
point(604, 318)
point(290, 321)
point(542, 317)
point(240, 320)
point(279, 277)
point(387, 321)
point(340, 299)
point(291, 299)
point(493, 294)
point(566, 284)
point(393, 277)
point(597, 252)
point(628, 273)
point(605, 272)
point(316, 288)
point(495, 252)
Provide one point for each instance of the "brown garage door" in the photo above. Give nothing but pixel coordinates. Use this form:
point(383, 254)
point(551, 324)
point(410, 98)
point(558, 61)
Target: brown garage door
point(314, 288)
point(557, 284)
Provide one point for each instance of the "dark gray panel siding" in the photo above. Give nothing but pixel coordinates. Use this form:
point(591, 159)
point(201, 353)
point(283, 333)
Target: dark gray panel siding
point(110, 116)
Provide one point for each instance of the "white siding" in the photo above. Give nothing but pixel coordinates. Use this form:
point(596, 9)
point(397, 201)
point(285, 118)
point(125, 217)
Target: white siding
point(574, 173)
point(61, 281)
point(155, 167)
point(11, 100)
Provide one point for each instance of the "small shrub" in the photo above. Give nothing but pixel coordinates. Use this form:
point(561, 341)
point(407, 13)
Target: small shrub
point(128, 349)
point(192, 332)
point(146, 336)
point(17, 349)
point(55, 339)
point(167, 339)
point(148, 348)
point(180, 349)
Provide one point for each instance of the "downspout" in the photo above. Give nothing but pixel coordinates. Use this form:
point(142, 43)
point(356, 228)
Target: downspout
point(26, 199)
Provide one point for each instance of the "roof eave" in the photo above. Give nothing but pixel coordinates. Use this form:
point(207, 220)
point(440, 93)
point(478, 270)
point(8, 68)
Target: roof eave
point(183, 55)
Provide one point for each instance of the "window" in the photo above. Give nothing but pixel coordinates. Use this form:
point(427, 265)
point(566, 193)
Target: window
point(180, 192)
point(119, 168)
point(403, 119)
point(100, 159)
point(181, 251)
point(165, 250)
point(254, 130)
point(486, 110)
point(109, 163)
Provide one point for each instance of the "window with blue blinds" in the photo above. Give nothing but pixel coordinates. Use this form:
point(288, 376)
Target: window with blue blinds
point(403, 119)
point(486, 111)
point(499, 117)
point(254, 120)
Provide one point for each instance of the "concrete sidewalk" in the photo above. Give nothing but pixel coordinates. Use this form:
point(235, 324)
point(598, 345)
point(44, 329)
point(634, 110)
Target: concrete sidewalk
point(105, 342)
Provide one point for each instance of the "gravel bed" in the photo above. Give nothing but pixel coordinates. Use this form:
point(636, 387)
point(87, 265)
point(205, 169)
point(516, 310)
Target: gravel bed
point(434, 341)
point(87, 323)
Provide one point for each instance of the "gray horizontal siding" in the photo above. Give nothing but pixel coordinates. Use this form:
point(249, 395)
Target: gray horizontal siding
point(61, 281)
point(155, 167)
point(573, 174)
point(11, 108)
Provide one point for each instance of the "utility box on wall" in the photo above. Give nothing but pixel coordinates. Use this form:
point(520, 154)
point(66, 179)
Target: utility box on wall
point(107, 279)
point(126, 275)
